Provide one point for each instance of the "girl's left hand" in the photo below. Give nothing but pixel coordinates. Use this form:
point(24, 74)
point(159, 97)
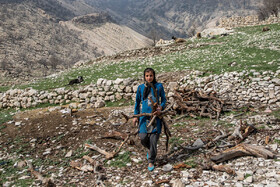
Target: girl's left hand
point(158, 111)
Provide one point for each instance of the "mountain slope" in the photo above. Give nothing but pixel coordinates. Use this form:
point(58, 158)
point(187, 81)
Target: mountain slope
point(35, 42)
point(178, 17)
point(109, 38)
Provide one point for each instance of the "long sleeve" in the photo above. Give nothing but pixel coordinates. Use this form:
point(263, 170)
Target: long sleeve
point(137, 101)
point(163, 98)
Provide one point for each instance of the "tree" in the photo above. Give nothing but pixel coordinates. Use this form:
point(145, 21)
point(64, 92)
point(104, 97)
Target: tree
point(154, 36)
point(54, 62)
point(4, 64)
point(263, 13)
point(193, 29)
point(270, 7)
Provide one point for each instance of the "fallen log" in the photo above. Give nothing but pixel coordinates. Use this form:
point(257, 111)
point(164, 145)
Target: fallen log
point(109, 155)
point(162, 181)
point(224, 168)
point(243, 150)
point(115, 135)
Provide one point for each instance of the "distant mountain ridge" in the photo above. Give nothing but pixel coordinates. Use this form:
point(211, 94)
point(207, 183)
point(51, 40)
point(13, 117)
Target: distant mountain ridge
point(167, 18)
point(38, 38)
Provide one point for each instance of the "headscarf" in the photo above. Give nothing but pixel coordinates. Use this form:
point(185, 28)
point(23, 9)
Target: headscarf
point(147, 88)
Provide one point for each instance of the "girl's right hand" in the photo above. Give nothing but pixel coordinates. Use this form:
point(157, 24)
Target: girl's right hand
point(135, 121)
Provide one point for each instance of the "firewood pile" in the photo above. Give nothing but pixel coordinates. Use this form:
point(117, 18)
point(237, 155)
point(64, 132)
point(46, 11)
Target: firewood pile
point(197, 103)
point(220, 146)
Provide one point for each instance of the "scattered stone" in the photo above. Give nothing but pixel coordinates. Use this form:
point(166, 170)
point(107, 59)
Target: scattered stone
point(69, 154)
point(167, 168)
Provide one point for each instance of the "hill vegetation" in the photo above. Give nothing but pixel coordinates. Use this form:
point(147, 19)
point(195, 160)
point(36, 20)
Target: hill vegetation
point(248, 48)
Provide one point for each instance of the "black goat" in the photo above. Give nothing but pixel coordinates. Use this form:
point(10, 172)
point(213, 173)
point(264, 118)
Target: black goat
point(76, 81)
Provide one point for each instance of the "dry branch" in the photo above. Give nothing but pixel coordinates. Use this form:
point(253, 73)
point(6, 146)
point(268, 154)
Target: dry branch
point(115, 135)
point(198, 103)
point(243, 150)
point(108, 155)
point(224, 168)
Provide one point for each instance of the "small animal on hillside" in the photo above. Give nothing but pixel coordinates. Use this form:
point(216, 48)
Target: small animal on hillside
point(198, 35)
point(76, 81)
point(224, 34)
point(178, 40)
point(264, 29)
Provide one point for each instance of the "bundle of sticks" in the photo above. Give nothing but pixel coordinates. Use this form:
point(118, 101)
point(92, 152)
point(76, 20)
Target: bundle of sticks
point(197, 103)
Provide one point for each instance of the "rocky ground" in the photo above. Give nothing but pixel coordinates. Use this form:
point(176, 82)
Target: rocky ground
point(53, 141)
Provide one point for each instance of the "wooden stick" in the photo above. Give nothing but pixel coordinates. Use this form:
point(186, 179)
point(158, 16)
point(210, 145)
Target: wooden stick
point(243, 150)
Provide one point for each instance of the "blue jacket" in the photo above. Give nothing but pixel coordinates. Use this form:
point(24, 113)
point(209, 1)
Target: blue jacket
point(147, 108)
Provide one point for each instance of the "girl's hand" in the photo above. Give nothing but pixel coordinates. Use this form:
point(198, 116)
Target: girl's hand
point(135, 121)
point(158, 111)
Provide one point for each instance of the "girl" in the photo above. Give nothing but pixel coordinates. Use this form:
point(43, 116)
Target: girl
point(149, 135)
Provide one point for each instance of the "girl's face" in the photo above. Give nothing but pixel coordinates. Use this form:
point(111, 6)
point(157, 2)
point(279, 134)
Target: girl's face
point(149, 76)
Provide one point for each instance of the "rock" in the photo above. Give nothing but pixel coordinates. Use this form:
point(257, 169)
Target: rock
point(167, 168)
point(69, 154)
point(109, 83)
point(177, 183)
point(18, 123)
point(21, 164)
point(99, 104)
point(7, 184)
point(240, 176)
point(249, 179)
point(274, 147)
point(99, 81)
point(134, 88)
point(128, 89)
point(276, 81)
point(87, 168)
point(118, 81)
point(135, 160)
point(24, 177)
point(272, 184)
point(198, 143)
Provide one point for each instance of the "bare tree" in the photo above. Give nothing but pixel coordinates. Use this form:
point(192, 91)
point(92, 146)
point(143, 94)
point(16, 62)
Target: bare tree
point(270, 7)
point(263, 13)
point(154, 36)
point(54, 62)
point(43, 62)
point(4, 64)
point(193, 29)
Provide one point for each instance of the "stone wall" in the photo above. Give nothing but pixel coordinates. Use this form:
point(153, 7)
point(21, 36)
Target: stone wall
point(254, 88)
point(238, 21)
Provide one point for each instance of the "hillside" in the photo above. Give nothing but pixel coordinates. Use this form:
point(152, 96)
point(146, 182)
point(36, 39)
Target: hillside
point(108, 37)
point(49, 141)
point(35, 41)
point(180, 17)
point(249, 47)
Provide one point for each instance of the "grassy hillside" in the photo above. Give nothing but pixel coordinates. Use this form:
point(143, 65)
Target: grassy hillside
point(249, 47)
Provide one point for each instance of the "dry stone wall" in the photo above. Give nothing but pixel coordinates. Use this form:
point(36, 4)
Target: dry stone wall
point(243, 88)
point(239, 21)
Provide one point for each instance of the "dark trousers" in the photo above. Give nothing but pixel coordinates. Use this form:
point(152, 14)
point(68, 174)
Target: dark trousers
point(150, 142)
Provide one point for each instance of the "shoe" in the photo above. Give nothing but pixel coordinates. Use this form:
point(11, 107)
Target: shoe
point(151, 168)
